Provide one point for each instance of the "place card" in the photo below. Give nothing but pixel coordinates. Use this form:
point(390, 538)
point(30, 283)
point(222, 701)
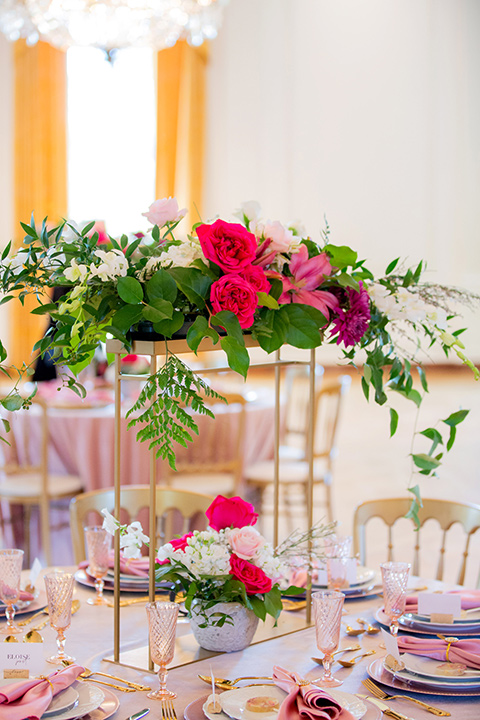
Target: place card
point(441, 608)
point(35, 571)
point(391, 645)
point(24, 661)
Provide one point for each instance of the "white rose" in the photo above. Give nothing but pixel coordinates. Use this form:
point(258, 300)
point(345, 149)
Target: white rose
point(250, 210)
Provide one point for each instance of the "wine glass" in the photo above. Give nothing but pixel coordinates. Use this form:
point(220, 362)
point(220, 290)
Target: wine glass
point(59, 587)
point(11, 562)
point(327, 613)
point(395, 579)
point(337, 551)
point(98, 542)
point(162, 628)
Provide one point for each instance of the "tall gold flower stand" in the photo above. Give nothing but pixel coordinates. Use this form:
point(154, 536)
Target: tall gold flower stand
point(187, 649)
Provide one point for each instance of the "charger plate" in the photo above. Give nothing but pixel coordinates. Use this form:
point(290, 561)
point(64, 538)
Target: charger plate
point(27, 606)
point(412, 627)
point(83, 579)
point(379, 673)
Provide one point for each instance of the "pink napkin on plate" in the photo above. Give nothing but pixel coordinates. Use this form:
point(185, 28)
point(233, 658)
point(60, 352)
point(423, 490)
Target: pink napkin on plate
point(306, 701)
point(129, 566)
point(28, 699)
point(470, 599)
point(466, 651)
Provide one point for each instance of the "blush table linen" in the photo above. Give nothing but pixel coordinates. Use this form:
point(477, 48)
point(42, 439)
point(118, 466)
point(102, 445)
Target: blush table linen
point(90, 639)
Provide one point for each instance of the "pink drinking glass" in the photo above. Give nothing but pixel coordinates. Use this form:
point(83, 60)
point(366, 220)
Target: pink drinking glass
point(162, 628)
point(395, 579)
point(98, 542)
point(59, 587)
point(327, 613)
point(337, 550)
point(11, 562)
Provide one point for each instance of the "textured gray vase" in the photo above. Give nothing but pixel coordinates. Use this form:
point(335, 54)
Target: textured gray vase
point(230, 637)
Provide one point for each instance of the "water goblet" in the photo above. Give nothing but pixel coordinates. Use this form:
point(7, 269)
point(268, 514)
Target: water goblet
point(59, 587)
point(98, 542)
point(338, 552)
point(11, 562)
point(395, 579)
point(162, 628)
point(327, 613)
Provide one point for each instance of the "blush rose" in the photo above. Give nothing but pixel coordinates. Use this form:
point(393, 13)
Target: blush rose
point(245, 542)
point(230, 512)
point(232, 292)
point(250, 575)
point(229, 245)
point(165, 210)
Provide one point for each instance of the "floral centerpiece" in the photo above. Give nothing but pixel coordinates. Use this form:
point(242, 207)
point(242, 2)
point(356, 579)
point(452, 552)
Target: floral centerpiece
point(222, 281)
point(229, 574)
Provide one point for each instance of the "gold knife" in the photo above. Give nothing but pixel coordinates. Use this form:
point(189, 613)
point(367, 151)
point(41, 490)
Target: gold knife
point(386, 709)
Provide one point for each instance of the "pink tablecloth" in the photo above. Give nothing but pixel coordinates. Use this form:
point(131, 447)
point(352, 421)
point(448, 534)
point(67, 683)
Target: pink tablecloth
point(81, 441)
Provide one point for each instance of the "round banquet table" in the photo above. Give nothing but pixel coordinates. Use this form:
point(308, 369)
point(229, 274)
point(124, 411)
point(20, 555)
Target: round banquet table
point(90, 639)
point(81, 440)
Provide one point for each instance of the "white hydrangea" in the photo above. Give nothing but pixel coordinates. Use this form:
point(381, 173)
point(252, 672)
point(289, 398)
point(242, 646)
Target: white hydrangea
point(113, 264)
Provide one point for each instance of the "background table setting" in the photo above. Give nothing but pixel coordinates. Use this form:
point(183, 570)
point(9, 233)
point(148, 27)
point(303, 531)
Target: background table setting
point(90, 640)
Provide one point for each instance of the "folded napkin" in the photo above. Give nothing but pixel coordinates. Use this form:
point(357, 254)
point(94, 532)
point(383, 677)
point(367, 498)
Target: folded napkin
point(306, 701)
point(128, 566)
point(466, 651)
point(470, 599)
point(28, 699)
point(25, 596)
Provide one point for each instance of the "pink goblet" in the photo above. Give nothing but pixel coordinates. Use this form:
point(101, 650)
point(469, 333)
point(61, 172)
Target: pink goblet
point(162, 628)
point(395, 579)
point(98, 542)
point(327, 612)
point(11, 562)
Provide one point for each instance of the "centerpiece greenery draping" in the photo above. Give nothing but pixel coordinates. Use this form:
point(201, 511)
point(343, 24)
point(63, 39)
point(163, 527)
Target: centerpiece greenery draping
point(221, 281)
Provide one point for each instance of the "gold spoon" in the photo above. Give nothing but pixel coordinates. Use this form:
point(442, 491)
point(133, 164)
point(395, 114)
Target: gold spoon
point(351, 663)
point(371, 630)
point(353, 631)
point(292, 605)
point(10, 638)
point(352, 648)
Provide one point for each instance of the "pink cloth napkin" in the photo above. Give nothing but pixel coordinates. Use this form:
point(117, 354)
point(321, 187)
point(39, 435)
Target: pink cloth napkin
point(465, 651)
point(306, 701)
point(470, 599)
point(134, 566)
point(28, 699)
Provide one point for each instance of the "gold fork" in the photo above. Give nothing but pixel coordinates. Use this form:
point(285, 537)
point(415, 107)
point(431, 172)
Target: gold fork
point(168, 711)
point(381, 695)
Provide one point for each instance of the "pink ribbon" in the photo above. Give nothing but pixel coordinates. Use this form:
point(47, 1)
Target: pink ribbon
point(305, 700)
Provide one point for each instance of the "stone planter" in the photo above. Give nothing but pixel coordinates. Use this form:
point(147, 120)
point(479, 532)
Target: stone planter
point(232, 636)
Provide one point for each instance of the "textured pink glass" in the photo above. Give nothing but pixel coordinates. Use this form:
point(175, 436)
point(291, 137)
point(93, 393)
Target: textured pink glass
point(162, 628)
point(327, 613)
point(59, 587)
point(98, 542)
point(395, 579)
point(11, 562)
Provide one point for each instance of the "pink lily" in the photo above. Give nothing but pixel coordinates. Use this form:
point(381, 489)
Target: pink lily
point(308, 274)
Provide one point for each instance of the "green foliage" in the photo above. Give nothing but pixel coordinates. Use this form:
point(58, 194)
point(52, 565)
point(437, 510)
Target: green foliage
point(163, 405)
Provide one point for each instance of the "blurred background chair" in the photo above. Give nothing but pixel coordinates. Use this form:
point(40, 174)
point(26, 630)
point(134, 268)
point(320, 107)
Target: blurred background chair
point(444, 512)
point(216, 463)
point(178, 512)
point(294, 473)
point(295, 428)
point(29, 484)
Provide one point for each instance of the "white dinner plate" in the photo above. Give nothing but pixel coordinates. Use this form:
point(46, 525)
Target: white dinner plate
point(428, 667)
point(429, 682)
point(364, 577)
point(233, 702)
point(65, 700)
point(472, 619)
point(409, 625)
point(90, 698)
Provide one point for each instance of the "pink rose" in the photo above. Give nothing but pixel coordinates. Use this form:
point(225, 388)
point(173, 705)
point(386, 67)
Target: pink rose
point(232, 292)
point(250, 575)
point(230, 512)
point(163, 211)
point(246, 542)
point(282, 238)
point(177, 544)
point(229, 245)
point(255, 275)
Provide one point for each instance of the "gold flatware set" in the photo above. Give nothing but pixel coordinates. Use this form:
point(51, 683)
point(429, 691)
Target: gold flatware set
point(379, 693)
point(168, 710)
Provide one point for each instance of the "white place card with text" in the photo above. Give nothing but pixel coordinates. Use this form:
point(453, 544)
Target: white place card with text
point(16, 660)
point(439, 604)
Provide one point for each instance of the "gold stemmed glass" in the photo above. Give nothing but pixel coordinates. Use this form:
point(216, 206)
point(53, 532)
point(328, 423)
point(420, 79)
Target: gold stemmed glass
point(162, 628)
point(98, 542)
point(327, 613)
point(59, 587)
point(395, 579)
point(11, 562)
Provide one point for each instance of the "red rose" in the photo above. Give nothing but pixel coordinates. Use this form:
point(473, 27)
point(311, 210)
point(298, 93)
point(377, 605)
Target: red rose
point(251, 576)
point(232, 292)
point(177, 544)
point(255, 275)
point(230, 512)
point(229, 245)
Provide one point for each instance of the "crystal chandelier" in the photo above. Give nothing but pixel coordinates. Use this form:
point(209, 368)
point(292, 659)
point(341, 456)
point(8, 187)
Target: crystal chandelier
point(111, 24)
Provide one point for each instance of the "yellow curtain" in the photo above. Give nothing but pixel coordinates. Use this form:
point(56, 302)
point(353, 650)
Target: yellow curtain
point(40, 165)
point(181, 124)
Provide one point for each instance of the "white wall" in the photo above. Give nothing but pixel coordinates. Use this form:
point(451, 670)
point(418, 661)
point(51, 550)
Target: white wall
point(367, 111)
point(6, 159)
